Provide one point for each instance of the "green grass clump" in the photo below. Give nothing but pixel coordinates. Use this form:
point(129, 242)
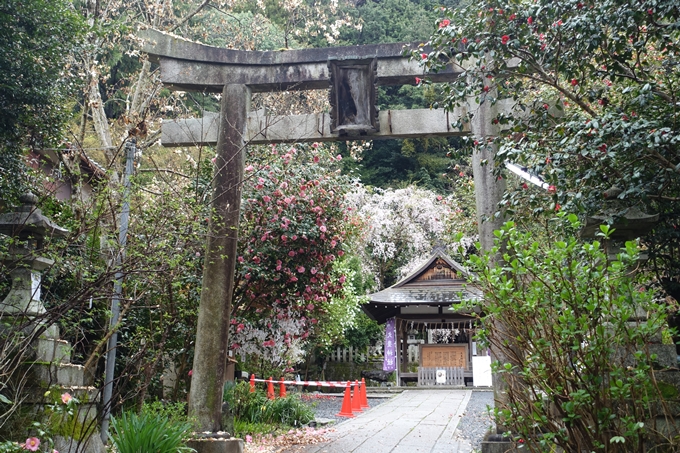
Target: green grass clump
point(256, 408)
point(149, 432)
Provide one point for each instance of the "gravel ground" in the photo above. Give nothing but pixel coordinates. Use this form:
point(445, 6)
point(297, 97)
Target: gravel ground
point(476, 420)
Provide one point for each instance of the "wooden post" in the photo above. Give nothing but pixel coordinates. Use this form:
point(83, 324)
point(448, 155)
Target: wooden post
point(404, 347)
point(205, 400)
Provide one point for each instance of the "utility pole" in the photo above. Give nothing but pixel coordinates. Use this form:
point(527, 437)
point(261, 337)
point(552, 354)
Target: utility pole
point(130, 149)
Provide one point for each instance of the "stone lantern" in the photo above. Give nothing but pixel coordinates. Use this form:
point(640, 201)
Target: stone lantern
point(28, 227)
point(631, 225)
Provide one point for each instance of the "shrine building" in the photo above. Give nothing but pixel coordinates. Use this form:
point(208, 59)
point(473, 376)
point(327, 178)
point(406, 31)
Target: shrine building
point(433, 344)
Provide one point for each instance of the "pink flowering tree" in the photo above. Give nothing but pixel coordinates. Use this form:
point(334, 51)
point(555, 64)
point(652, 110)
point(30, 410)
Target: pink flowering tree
point(403, 226)
point(294, 225)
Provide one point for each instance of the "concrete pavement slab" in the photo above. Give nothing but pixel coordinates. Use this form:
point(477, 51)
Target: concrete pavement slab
point(412, 422)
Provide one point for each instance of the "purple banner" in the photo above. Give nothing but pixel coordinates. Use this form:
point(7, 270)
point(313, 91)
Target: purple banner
point(390, 362)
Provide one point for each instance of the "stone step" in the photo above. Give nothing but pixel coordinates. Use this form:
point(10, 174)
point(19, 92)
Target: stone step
point(52, 350)
point(87, 395)
point(63, 374)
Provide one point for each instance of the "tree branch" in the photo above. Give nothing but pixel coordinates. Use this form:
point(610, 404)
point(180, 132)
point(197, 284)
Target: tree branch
point(190, 16)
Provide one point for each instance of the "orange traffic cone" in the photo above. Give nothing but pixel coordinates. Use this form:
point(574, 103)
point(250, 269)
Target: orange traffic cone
point(270, 389)
point(252, 383)
point(364, 398)
point(356, 398)
point(346, 410)
point(282, 389)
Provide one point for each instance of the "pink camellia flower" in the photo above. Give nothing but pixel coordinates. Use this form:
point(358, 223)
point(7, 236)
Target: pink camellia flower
point(322, 228)
point(342, 279)
point(249, 438)
point(338, 157)
point(418, 80)
point(250, 168)
point(291, 253)
point(574, 82)
point(32, 443)
point(66, 398)
point(240, 327)
point(552, 189)
point(191, 372)
point(505, 39)
point(316, 159)
point(301, 269)
point(512, 16)
point(310, 307)
point(444, 23)
point(423, 56)
point(530, 20)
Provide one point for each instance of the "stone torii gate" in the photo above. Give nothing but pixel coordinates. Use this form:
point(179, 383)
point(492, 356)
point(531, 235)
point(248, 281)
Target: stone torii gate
point(352, 73)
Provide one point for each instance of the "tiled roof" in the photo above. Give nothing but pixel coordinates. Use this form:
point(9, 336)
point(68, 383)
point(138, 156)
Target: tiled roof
point(440, 282)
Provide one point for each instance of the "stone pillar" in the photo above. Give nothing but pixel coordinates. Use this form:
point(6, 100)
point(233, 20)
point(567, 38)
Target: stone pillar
point(205, 399)
point(488, 188)
point(489, 191)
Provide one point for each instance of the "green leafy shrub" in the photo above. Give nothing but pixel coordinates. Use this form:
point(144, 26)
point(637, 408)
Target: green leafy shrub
point(571, 330)
point(149, 432)
point(256, 408)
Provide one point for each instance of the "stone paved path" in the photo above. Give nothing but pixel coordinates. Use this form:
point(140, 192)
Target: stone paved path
point(414, 421)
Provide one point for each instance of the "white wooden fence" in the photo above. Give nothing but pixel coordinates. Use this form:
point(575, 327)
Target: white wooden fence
point(448, 376)
point(348, 355)
point(354, 355)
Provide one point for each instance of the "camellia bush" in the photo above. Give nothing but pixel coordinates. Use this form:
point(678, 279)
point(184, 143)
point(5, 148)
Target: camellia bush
point(294, 224)
point(595, 86)
point(571, 330)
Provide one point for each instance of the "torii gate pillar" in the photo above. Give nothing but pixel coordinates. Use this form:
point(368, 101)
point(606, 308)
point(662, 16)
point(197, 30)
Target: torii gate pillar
point(488, 188)
point(205, 399)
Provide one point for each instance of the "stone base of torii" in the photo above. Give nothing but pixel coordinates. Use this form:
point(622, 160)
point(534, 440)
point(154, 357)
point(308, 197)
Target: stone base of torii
point(352, 73)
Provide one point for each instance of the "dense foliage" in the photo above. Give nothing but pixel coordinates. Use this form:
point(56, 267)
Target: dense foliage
point(596, 113)
point(37, 38)
point(572, 349)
